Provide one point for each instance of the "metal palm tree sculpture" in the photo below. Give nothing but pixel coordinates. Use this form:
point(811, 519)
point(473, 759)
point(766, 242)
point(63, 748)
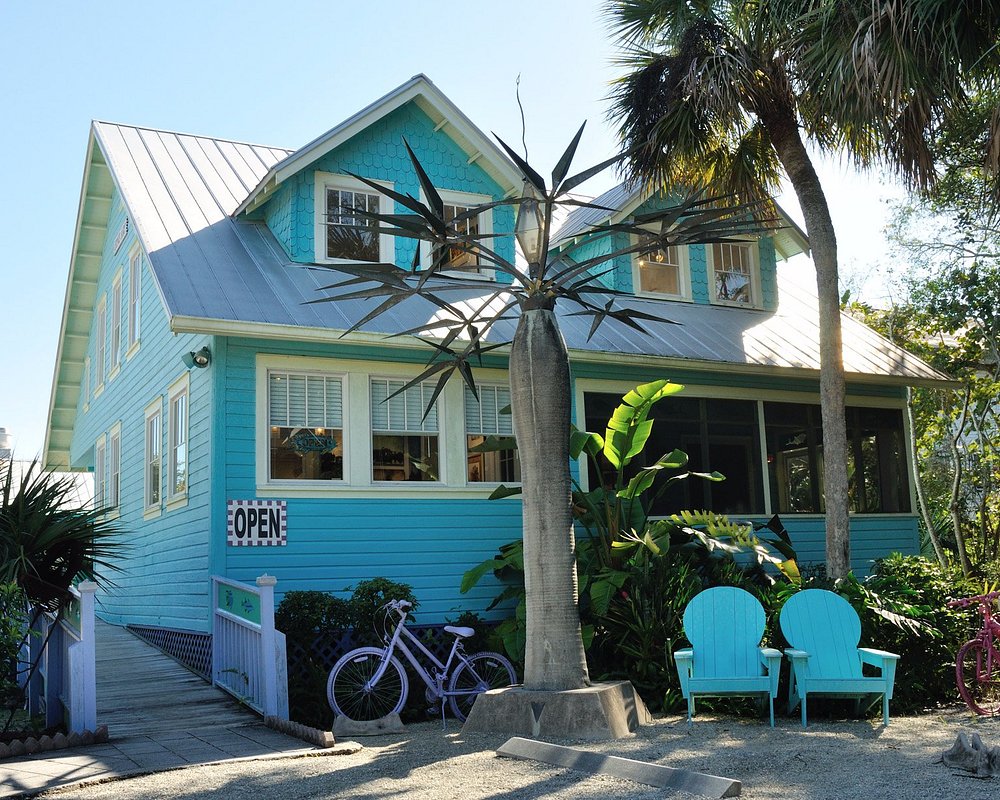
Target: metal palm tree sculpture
point(538, 360)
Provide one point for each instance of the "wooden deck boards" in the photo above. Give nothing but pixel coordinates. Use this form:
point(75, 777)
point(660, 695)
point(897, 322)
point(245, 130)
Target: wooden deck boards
point(141, 691)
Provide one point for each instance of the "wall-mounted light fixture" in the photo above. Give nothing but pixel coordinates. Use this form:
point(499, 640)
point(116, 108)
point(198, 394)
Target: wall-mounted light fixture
point(198, 358)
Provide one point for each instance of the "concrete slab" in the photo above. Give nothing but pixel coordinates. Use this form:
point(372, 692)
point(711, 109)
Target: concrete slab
point(637, 771)
point(601, 712)
point(342, 726)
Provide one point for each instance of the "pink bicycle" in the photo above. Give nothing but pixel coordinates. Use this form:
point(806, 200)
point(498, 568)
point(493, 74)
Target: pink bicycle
point(977, 665)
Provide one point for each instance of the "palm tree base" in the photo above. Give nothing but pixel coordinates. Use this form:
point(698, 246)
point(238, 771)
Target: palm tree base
point(598, 712)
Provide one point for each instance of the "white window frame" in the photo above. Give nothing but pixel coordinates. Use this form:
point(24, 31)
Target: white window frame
point(683, 282)
point(479, 387)
point(115, 331)
point(756, 300)
point(450, 197)
point(85, 384)
point(100, 344)
point(345, 426)
point(409, 432)
point(153, 411)
point(358, 482)
point(134, 300)
point(178, 388)
point(115, 467)
point(328, 180)
point(100, 471)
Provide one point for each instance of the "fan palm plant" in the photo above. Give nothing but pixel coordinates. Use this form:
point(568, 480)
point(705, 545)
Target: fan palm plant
point(46, 540)
point(469, 308)
point(728, 94)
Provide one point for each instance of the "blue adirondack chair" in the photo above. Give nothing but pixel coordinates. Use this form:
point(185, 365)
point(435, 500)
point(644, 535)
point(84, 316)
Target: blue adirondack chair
point(724, 625)
point(823, 631)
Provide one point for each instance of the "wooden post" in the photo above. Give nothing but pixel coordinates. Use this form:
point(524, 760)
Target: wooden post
point(88, 658)
point(265, 583)
point(213, 604)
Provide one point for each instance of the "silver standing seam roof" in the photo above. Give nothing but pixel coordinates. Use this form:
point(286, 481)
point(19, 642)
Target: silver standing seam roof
point(220, 274)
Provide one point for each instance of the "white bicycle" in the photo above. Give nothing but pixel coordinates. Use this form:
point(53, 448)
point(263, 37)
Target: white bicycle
point(369, 682)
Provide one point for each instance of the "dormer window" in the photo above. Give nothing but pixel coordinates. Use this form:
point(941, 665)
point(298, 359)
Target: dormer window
point(456, 258)
point(662, 272)
point(343, 233)
point(735, 278)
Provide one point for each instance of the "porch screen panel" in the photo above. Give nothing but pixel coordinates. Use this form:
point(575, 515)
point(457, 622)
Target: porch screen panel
point(488, 422)
point(404, 440)
point(716, 434)
point(306, 426)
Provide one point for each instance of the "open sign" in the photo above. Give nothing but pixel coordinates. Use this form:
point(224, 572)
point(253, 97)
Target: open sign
point(256, 522)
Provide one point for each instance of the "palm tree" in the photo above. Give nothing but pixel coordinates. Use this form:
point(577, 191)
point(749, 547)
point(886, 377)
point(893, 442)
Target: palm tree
point(468, 308)
point(728, 93)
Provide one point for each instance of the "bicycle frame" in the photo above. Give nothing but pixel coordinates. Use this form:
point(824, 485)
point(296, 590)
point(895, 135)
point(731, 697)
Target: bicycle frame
point(435, 684)
point(989, 635)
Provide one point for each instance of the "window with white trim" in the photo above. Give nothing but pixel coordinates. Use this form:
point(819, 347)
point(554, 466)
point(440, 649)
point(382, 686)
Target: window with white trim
point(100, 472)
point(343, 233)
point(456, 206)
point(152, 469)
point(178, 455)
point(733, 272)
point(115, 467)
point(306, 424)
point(134, 295)
point(115, 343)
point(491, 451)
point(662, 272)
point(405, 444)
point(100, 334)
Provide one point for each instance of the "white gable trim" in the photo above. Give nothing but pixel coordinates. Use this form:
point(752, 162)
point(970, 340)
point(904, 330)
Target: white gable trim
point(445, 114)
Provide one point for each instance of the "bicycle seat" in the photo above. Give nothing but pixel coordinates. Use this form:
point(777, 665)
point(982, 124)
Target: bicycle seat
point(461, 633)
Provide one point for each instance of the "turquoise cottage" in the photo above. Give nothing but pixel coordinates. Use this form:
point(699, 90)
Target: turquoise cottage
point(237, 432)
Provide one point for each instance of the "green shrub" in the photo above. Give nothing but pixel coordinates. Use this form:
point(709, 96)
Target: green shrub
point(916, 588)
point(365, 604)
point(303, 614)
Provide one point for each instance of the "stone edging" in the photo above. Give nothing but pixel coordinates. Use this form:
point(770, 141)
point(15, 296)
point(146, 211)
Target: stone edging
point(44, 744)
point(313, 736)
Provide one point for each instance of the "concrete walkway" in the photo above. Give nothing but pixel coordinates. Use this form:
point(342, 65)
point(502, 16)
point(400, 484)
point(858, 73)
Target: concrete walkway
point(159, 715)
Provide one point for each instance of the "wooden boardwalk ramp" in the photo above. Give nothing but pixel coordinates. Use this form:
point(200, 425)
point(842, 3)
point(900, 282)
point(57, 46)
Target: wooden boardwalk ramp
point(142, 692)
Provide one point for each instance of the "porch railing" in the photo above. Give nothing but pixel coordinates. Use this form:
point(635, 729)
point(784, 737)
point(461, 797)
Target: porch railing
point(64, 687)
point(248, 654)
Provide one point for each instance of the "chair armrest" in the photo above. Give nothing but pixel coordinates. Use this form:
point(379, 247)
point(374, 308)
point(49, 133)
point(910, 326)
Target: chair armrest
point(769, 652)
point(875, 657)
point(686, 654)
point(796, 655)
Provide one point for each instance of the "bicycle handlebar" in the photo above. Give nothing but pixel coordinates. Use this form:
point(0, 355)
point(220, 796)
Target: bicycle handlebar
point(400, 605)
point(968, 601)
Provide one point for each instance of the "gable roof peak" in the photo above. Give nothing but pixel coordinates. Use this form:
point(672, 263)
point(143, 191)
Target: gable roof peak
point(432, 101)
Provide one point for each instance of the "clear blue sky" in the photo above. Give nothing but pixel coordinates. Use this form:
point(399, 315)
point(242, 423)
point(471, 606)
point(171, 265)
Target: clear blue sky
point(277, 74)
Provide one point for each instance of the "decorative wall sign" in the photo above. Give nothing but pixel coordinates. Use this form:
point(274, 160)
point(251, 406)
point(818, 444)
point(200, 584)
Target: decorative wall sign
point(256, 522)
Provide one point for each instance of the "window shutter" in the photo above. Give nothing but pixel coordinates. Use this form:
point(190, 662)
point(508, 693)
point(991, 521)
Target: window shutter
point(483, 416)
point(305, 401)
point(403, 412)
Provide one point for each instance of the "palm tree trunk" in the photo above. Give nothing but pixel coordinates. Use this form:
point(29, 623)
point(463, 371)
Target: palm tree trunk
point(540, 407)
point(823, 241)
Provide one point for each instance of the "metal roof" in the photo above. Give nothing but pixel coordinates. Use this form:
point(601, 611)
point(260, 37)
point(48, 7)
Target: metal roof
point(221, 275)
point(789, 240)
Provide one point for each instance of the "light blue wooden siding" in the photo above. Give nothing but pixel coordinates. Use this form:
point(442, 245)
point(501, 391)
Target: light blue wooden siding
point(335, 542)
point(872, 537)
point(378, 153)
point(165, 567)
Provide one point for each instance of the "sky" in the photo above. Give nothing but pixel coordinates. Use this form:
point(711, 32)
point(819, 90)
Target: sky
point(280, 75)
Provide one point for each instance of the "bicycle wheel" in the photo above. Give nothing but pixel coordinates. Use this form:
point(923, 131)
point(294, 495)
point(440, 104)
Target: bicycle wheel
point(475, 675)
point(346, 692)
point(977, 670)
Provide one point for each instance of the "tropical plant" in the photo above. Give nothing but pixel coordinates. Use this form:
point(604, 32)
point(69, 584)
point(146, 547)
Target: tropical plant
point(726, 94)
point(627, 560)
point(46, 541)
point(538, 360)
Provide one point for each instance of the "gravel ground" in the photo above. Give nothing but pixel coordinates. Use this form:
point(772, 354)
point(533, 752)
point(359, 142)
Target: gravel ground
point(832, 759)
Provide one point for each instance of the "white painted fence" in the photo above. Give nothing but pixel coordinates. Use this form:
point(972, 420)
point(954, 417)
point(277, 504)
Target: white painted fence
point(64, 688)
point(248, 654)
